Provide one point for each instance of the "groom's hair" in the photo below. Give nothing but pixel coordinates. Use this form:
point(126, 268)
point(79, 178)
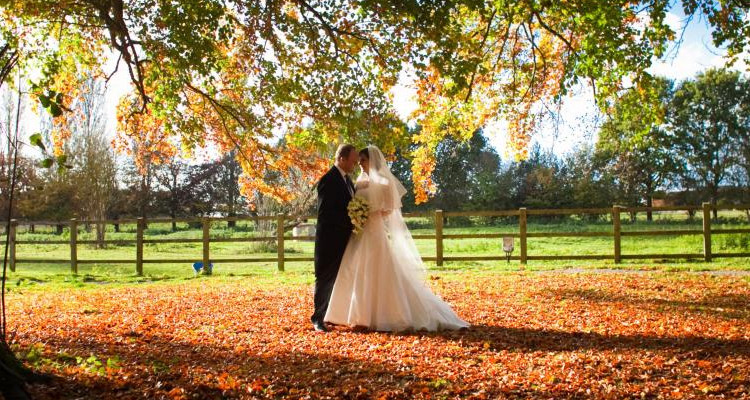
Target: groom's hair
point(344, 150)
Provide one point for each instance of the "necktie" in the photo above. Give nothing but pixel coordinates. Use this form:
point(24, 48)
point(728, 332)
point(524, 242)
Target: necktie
point(349, 185)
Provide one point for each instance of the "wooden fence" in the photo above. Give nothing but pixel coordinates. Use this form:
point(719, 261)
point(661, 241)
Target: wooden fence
point(439, 216)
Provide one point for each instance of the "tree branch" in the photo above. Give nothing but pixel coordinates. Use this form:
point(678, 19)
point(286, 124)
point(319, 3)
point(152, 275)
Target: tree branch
point(481, 46)
point(552, 31)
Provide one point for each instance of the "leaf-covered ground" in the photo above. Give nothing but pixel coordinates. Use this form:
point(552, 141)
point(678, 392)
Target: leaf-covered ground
point(533, 336)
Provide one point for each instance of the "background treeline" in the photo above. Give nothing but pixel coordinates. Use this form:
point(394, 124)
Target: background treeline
point(692, 145)
point(682, 144)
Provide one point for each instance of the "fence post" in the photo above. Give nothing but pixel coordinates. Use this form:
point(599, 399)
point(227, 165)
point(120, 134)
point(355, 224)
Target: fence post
point(707, 231)
point(616, 230)
point(280, 241)
point(73, 246)
point(522, 233)
point(139, 246)
point(12, 245)
point(206, 222)
point(439, 238)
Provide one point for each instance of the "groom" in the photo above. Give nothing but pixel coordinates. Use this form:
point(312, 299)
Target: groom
point(335, 190)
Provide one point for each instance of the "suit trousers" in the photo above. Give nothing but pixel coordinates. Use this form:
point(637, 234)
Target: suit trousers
point(330, 244)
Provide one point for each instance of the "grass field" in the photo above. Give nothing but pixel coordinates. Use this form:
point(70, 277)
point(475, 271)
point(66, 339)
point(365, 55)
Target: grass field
point(104, 272)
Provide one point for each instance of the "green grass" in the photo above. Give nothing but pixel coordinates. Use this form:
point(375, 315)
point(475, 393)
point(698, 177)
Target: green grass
point(43, 276)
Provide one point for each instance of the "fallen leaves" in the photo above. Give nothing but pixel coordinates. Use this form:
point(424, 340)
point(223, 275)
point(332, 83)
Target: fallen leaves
point(539, 336)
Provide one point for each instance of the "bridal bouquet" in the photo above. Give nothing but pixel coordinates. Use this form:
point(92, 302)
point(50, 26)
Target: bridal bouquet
point(358, 210)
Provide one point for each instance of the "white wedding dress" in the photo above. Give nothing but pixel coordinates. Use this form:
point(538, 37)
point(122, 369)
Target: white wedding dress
point(381, 283)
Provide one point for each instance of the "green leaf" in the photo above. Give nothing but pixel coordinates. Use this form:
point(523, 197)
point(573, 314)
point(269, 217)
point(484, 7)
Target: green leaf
point(47, 162)
point(55, 110)
point(36, 140)
point(44, 100)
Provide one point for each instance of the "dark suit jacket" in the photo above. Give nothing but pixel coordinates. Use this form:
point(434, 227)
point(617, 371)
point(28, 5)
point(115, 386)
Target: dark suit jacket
point(333, 198)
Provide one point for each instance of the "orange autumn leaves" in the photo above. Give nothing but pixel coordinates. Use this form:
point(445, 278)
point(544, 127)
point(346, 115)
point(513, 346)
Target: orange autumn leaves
point(316, 74)
point(549, 335)
point(281, 84)
point(152, 139)
point(514, 67)
point(141, 134)
point(249, 119)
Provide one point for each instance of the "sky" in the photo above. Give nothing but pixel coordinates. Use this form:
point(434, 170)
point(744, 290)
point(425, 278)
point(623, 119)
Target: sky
point(578, 119)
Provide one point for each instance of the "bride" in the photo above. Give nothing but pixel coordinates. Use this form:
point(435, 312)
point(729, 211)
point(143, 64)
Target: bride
point(381, 282)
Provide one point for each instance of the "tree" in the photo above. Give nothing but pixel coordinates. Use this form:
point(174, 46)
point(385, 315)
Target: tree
point(466, 175)
point(301, 204)
point(120, 206)
point(632, 144)
point(507, 60)
point(705, 120)
point(590, 185)
point(95, 169)
point(26, 171)
point(171, 176)
point(13, 374)
point(539, 181)
point(233, 73)
point(139, 178)
point(53, 199)
point(741, 142)
point(230, 200)
point(453, 174)
point(486, 180)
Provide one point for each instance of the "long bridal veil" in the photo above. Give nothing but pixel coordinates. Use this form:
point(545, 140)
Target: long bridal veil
point(390, 202)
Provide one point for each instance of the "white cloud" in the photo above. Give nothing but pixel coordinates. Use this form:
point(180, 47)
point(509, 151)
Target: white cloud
point(674, 21)
point(690, 59)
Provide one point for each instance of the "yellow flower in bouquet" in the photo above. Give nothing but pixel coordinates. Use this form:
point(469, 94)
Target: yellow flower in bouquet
point(359, 211)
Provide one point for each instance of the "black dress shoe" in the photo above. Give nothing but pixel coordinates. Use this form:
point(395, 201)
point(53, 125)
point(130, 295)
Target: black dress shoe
point(320, 327)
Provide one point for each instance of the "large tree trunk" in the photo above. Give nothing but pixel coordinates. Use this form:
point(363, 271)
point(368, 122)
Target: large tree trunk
point(232, 201)
point(100, 226)
point(13, 375)
point(715, 201)
point(100, 232)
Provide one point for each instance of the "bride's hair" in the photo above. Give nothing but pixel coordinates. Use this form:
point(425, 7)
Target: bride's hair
point(365, 152)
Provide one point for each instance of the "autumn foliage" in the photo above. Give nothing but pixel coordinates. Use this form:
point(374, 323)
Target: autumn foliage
point(280, 83)
point(533, 336)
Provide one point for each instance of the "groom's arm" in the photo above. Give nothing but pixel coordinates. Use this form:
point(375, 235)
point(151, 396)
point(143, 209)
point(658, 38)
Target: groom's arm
point(324, 186)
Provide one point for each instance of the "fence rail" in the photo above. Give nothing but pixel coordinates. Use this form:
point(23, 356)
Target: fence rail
point(440, 237)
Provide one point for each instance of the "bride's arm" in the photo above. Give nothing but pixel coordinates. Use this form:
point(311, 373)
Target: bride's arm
point(388, 204)
point(361, 184)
